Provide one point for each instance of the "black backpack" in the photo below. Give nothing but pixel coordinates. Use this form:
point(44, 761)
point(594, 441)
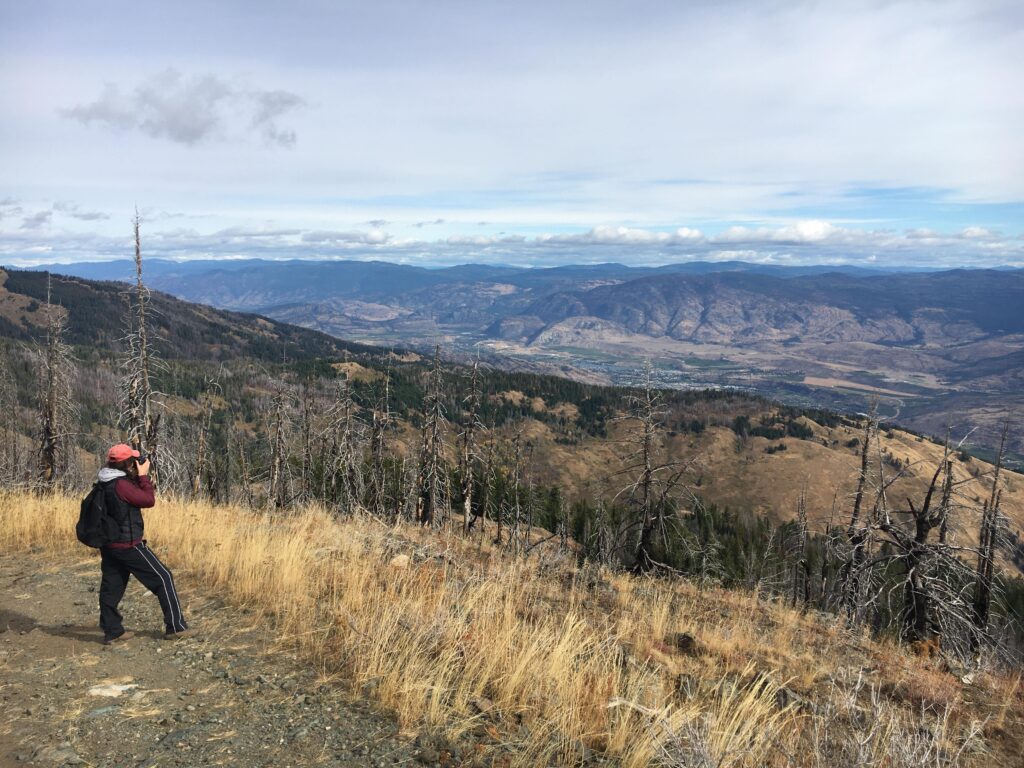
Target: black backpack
point(96, 526)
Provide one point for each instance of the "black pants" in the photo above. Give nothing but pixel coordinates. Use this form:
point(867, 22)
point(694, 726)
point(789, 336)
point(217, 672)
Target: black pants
point(144, 565)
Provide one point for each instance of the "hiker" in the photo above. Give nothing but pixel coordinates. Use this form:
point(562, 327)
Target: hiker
point(127, 490)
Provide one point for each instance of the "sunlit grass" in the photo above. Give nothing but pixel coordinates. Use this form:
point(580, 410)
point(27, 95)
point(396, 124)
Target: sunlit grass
point(565, 663)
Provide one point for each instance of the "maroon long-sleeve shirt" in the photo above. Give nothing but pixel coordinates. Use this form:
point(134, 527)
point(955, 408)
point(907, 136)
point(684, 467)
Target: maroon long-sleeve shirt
point(139, 495)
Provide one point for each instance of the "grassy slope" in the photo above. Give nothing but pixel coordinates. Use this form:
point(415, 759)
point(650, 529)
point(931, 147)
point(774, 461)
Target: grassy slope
point(556, 661)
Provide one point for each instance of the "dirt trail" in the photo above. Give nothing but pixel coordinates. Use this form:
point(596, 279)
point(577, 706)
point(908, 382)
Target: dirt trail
point(228, 696)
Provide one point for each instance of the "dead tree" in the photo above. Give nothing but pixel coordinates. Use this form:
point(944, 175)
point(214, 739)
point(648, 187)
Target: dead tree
point(380, 428)
point(858, 531)
point(917, 601)
point(563, 525)
point(704, 549)
point(342, 482)
point(203, 438)
point(801, 576)
point(10, 434)
point(933, 579)
point(55, 366)
point(278, 494)
point(137, 396)
point(432, 496)
point(601, 536)
point(245, 475)
point(309, 408)
point(654, 483)
point(489, 504)
point(468, 458)
point(988, 536)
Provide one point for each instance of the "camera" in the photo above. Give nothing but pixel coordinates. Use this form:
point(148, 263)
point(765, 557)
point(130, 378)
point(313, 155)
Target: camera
point(142, 457)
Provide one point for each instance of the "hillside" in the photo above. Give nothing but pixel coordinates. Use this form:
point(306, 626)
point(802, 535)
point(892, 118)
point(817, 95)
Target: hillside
point(926, 344)
point(96, 311)
point(575, 432)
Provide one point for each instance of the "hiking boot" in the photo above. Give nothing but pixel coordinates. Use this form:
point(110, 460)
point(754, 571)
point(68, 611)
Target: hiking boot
point(180, 635)
point(111, 639)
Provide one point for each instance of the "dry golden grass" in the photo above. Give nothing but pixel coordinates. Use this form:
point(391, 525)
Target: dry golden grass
point(567, 660)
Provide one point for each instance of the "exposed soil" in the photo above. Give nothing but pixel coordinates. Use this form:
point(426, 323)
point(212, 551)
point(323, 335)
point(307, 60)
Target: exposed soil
point(231, 695)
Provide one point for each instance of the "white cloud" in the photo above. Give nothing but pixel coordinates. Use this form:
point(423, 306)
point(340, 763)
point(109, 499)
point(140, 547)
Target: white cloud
point(483, 240)
point(609, 235)
point(801, 232)
point(977, 233)
point(821, 243)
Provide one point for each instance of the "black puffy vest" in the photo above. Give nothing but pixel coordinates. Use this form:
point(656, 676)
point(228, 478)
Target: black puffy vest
point(129, 518)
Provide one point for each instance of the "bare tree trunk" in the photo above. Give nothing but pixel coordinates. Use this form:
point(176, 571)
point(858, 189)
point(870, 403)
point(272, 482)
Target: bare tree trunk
point(468, 459)
point(342, 478)
point(243, 464)
point(987, 537)
point(601, 524)
point(432, 484)
point(650, 519)
point(55, 406)
point(137, 416)
point(857, 532)
point(378, 449)
point(917, 604)
point(205, 418)
point(801, 572)
point(10, 470)
point(515, 516)
point(277, 492)
point(563, 525)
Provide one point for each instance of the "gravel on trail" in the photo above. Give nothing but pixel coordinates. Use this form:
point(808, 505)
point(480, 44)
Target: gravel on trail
point(230, 695)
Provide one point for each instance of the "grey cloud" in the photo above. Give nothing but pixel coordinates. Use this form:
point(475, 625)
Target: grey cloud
point(484, 240)
point(152, 214)
point(250, 232)
point(74, 211)
point(378, 223)
point(326, 237)
point(37, 220)
point(271, 105)
point(191, 110)
point(421, 224)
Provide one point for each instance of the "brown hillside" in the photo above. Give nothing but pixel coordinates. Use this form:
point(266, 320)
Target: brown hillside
point(742, 475)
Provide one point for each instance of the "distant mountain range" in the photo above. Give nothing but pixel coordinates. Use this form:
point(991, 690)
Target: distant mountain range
point(378, 273)
point(934, 347)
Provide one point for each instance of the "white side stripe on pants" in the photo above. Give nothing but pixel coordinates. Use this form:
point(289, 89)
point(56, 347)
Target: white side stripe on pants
point(172, 596)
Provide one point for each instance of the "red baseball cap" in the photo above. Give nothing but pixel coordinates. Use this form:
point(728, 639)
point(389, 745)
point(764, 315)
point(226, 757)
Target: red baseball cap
point(122, 451)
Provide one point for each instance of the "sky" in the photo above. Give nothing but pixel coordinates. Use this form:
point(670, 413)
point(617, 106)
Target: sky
point(529, 133)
